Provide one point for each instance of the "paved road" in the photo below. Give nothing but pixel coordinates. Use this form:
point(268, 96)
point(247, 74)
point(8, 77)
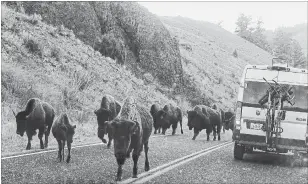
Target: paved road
point(96, 164)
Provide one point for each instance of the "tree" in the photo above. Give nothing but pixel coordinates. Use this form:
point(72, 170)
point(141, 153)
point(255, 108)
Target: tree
point(298, 58)
point(282, 44)
point(259, 38)
point(243, 24)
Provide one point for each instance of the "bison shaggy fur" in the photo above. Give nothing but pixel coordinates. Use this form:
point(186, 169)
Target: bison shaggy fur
point(37, 115)
point(63, 131)
point(108, 110)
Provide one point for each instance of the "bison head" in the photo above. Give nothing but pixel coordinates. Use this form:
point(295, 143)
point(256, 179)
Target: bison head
point(162, 119)
point(102, 116)
point(21, 119)
point(197, 120)
point(70, 133)
point(122, 131)
point(229, 120)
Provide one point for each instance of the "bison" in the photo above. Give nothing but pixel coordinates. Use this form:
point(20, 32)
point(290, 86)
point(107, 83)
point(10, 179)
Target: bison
point(229, 120)
point(199, 120)
point(154, 109)
point(108, 110)
point(213, 116)
point(37, 115)
point(222, 113)
point(169, 115)
point(131, 130)
point(63, 131)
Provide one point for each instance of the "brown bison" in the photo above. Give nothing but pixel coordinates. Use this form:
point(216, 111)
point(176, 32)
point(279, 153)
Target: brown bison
point(37, 115)
point(131, 130)
point(108, 110)
point(214, 117)
point(63, 131)
point(198, 120)
point(154, 109)
point(169, 115)
point(229, 120)
point(222, 113)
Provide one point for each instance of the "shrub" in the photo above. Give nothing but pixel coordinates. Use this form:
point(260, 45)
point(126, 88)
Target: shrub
point(56, 53)
point(33, 46)
point(235, 53)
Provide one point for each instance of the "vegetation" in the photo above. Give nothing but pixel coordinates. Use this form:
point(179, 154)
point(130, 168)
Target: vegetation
point(283, 44)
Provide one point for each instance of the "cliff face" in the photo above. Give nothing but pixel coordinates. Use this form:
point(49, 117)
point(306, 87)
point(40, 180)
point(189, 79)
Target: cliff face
point(124, 31)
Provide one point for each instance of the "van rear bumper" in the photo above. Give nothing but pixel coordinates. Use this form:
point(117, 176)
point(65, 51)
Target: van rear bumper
point(283, 143)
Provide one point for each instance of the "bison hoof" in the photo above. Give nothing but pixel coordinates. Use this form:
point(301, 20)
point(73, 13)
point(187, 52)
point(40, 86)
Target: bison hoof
point(135, 176)
point(182, 132)
point(104, 141)
point(219, 138)
point(208, 139)
point(68, 159)
point(28, 147)
point(108, 146)
point(128, 155)
point(118, 178)
point(193, 138)
point(147, 168)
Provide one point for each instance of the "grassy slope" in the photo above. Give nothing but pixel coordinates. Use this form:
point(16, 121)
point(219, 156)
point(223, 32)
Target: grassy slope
point(211, 63)
point(60, 64)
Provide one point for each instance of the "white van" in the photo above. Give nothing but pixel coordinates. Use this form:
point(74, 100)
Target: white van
point(249, 133)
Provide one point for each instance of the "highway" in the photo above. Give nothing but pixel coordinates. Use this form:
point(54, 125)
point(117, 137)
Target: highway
point(173, 159)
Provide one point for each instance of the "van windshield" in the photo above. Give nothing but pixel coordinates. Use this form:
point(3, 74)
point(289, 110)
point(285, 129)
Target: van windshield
point(254, 91)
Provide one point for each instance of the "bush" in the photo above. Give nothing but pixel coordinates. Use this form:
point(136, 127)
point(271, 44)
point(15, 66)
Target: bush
point(56, 53)
point(235, 53)
point(33, 46)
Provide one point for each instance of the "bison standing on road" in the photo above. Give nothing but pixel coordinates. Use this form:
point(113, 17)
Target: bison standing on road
point(131, 130)
point(214, 117)
point(229, 120)
point(37, 115)
point(108, 110)
point(169, 115)
point(63, 131)
point(154, 109)
point(199, 120)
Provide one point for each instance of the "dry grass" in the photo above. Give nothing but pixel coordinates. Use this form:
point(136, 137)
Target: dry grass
point(41, 61)
point(212, 64)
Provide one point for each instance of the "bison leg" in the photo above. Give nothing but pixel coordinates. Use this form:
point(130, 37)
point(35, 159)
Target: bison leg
point(47, 133)
point(109, 140)
point(218, 132)
point(69, 145)
point(29, 141)
point(135, 159)
point(208, 132)
point(174, 126)
point(159, 129)
point(40, 136)
point(146, 149)
point(155, 131)
point(164, 131)
point(120, 162)
point(60, 150)
point(196, 132)
point(63, 145)
point(214, 133)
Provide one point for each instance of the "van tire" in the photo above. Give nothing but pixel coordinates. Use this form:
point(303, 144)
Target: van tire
point(238, 152)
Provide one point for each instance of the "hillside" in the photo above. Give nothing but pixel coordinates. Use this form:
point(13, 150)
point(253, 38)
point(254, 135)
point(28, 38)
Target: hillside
point(39, 60)
point(206, 51)
point(298, 32)
point(124, 31)
point(72, 61)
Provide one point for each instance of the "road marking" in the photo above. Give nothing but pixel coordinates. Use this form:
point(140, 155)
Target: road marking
point(53, 150)
point(146, 176)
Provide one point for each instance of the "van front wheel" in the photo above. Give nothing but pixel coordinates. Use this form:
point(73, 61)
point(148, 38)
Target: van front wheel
point(239, 151)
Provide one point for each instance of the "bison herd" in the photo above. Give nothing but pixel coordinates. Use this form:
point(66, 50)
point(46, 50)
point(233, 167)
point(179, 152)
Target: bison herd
point(129, 125)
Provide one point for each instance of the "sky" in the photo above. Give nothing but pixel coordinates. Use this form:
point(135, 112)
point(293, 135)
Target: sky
point(273, 14)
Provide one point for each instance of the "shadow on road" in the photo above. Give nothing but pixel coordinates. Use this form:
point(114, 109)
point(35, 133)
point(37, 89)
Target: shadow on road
point(275, 159)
